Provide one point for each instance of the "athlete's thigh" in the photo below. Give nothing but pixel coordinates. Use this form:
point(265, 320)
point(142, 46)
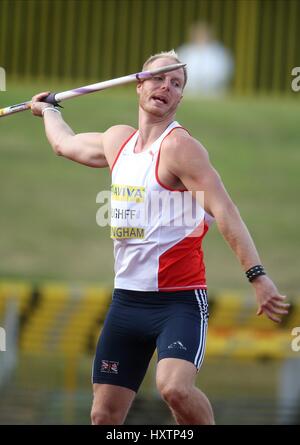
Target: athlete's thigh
point(122, 354)
point(183, 335)
point(113, 400)
point(175, 372)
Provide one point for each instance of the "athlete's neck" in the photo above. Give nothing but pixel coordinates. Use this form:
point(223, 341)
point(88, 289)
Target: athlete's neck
point(150, 128)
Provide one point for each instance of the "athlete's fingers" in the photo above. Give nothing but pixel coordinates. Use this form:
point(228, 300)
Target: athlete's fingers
point(270, 315)
point(274, 306)
point(277, 311)
point(270, 312)
point(279, 302)
point(259, 311)
point(37, 105)
point(283, 305)
point(280, 298)
point(39, 96)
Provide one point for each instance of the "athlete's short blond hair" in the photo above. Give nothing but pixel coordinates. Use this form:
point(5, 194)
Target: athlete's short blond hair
point(171, 55)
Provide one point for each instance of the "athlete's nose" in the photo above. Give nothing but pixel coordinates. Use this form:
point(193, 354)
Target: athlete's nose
point(166, 84)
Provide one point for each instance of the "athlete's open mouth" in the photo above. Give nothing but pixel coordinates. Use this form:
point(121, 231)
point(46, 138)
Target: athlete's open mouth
point(160, 99)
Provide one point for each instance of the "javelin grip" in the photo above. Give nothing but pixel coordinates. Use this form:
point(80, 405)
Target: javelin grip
point(50, 99)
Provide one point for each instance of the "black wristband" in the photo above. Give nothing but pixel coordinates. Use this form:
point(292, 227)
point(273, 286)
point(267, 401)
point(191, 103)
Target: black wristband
point(254, 272)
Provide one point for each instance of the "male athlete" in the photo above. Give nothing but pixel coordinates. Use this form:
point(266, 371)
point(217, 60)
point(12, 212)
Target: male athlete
point(159, 301)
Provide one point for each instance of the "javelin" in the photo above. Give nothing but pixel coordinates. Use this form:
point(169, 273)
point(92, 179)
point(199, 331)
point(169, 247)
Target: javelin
point(55, 98)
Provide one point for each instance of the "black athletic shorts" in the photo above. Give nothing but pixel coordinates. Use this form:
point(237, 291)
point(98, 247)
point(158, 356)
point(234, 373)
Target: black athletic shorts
point(139, 322)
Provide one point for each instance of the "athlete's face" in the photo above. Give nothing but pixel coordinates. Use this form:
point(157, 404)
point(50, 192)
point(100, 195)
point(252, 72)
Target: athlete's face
point(161, 94)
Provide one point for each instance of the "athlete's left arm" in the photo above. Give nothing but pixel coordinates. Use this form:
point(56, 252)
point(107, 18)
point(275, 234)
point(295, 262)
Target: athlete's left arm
point(188, 160)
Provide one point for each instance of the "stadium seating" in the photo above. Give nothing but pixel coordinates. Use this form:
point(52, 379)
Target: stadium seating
point(14, 292)
point(63, 318)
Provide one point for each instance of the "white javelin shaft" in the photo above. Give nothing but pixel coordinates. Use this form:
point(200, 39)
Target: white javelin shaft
point(58, 97)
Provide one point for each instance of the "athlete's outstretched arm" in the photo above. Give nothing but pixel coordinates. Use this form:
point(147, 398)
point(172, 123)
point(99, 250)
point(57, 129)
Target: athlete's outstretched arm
point(85, 148)
point(189, 161)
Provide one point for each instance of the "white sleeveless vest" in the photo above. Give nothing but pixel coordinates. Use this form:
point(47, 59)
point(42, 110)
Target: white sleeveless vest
point(157, 231)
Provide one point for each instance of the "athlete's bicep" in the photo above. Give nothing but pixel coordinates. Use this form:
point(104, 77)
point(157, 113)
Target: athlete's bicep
point(214, 197)
point(195, 171)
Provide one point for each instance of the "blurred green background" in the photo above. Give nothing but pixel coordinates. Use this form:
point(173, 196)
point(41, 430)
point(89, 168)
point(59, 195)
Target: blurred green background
point(48, 230)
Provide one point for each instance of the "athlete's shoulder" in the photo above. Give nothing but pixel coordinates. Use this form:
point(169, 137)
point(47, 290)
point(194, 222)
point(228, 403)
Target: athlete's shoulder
point(180, 144)
point(117, 131)
point(116, 136)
